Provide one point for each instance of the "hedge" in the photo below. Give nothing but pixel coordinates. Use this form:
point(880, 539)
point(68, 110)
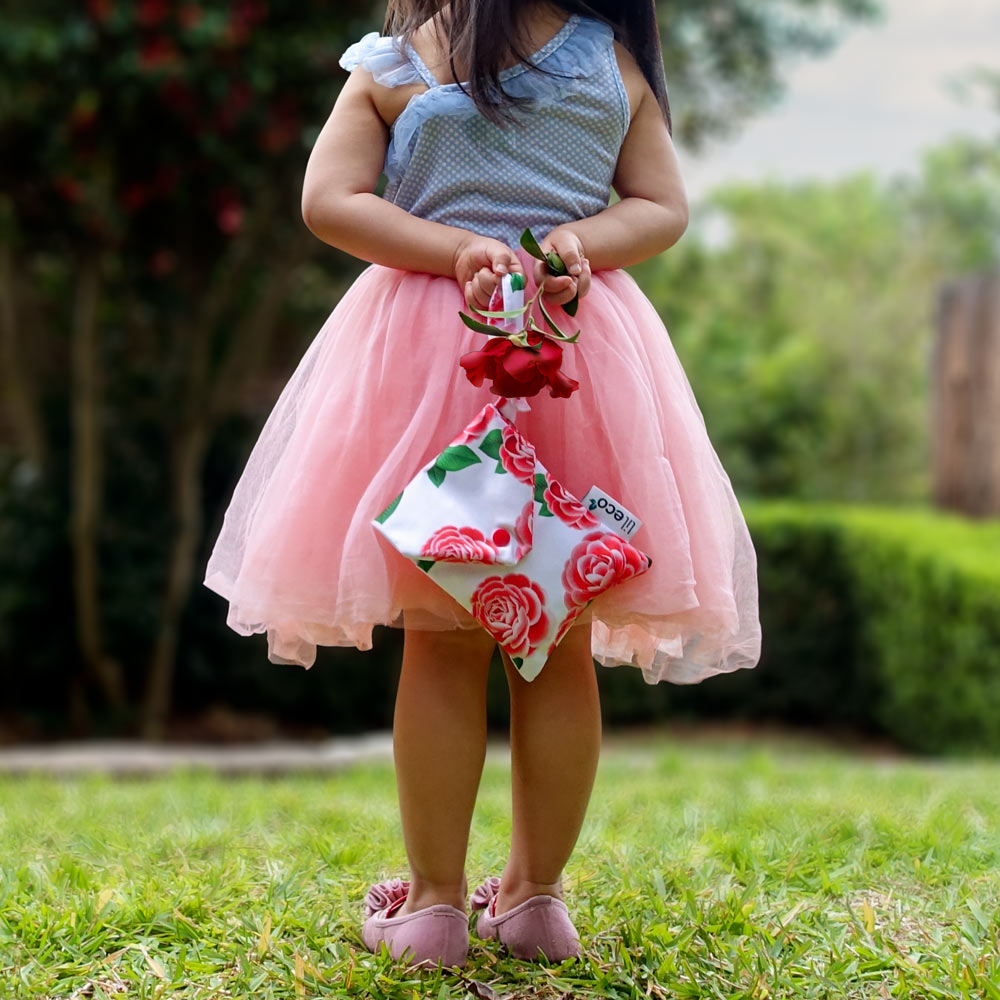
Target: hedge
point(907, 601)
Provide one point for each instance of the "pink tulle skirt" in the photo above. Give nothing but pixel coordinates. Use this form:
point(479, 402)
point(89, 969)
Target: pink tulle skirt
point(379, 393)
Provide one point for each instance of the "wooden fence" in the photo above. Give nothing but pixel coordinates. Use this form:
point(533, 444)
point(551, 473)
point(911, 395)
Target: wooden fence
point(965, 396)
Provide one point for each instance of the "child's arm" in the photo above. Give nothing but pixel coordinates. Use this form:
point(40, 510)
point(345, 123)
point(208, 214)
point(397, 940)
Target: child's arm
point(653, 212)
point(339, 206)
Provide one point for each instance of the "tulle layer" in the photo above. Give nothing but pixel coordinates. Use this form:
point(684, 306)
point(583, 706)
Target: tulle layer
point(379, 393)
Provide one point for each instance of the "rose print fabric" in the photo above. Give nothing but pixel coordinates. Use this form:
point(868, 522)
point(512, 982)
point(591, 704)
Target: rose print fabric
point(491, 526)
point(466, 505)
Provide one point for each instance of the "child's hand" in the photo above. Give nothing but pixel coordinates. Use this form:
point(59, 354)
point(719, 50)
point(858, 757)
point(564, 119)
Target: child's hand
point(568, 246)
point(480, 264)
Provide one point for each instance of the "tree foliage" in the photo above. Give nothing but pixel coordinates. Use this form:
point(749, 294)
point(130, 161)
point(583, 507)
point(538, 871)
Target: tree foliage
point(806, 332)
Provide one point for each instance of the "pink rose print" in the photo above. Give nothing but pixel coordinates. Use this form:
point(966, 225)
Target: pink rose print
point(476, 429)
point(565, 627)
point(517, 456)
point(600, 560)
point(523, 529)
point(512, 609)
point(567, 508)
point(451, 544)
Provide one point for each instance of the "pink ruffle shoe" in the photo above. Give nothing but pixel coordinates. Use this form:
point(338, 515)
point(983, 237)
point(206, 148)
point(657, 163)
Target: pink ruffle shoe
point(541, 923)
point(438, 933)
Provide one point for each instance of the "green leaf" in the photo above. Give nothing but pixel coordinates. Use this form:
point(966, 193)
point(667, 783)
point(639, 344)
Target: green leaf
point(517, 281)
point(571, 307)
point(491, 443)
point(425, 564)
point(548, 319)
point(540, 485)
point(436, 474)
point(459, 456)
point(510, 314)
point(518, 661)
point(545, 512)
point(556, 265)
point(474, 324)
point(530, 244)
point(392, 506)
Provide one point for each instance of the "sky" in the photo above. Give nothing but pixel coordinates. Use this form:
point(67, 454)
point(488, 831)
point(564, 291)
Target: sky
point(874, 101)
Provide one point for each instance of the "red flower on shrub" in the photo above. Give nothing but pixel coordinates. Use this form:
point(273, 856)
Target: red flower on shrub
point(230, 218)
point(150, 13)
point(99, 10)
point(68, 187)
point(162, 262)
point(157, 53)
point(136, 196)
point(282, 127)
point(190, 16)
point(179, 97)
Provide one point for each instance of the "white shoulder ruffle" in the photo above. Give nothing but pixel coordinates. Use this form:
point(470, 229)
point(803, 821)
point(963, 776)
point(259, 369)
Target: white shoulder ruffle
point(380, 55)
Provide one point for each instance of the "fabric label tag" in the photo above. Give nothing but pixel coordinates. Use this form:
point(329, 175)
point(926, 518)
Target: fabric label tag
point(513, 298)
point(611, 513)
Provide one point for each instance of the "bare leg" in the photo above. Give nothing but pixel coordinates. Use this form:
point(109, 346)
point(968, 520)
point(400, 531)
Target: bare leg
point(555, 747)
point(439, 746)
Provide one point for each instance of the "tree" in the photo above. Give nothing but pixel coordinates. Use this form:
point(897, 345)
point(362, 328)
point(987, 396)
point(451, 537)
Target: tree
point(151, 158)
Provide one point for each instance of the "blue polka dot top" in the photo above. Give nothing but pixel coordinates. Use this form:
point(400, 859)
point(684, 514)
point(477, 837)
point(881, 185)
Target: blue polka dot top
point(447, 163)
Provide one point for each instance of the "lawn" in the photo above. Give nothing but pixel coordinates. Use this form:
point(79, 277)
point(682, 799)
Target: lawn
point(710, 868)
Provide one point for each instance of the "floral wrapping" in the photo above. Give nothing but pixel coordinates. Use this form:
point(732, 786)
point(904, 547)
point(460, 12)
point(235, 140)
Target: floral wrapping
point(488, 524)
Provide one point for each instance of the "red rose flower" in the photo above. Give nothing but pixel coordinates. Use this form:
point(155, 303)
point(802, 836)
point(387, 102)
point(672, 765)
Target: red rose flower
point(517, 456)
point(519, 371)
point(512, 609)
point(567, 508)
point(600, 560)
point(465, 544)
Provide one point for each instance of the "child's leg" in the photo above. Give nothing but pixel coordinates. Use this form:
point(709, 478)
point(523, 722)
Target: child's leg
point(555, 737)
point(439, 746)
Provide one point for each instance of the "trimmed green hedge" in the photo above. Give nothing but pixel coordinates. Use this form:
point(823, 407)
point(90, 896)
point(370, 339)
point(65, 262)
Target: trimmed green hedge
point(917, 593)
point(880, 619)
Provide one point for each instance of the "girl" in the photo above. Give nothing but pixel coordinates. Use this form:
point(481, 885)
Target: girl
point(489, 116)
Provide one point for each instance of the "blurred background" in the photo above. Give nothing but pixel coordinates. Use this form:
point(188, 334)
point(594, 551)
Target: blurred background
point(835, 303)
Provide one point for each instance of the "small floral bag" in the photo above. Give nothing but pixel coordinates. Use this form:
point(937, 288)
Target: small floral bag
point(488, 524)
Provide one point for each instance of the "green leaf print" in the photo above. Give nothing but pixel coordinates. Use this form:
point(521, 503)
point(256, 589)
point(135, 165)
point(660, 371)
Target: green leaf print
point(436, 475)
point(392, 506)
point(457, 457)
point(540, 485)
point(425, 564)
point(518, 661)
point(491, 444)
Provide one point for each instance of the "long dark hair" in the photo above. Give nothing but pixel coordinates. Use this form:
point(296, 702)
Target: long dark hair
point(485, 34)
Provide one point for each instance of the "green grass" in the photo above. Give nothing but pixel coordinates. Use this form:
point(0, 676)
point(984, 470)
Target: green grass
point(706, 869)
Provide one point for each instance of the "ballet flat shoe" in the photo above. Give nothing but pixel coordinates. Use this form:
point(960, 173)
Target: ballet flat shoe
point(438, 933)
point(539, 924)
